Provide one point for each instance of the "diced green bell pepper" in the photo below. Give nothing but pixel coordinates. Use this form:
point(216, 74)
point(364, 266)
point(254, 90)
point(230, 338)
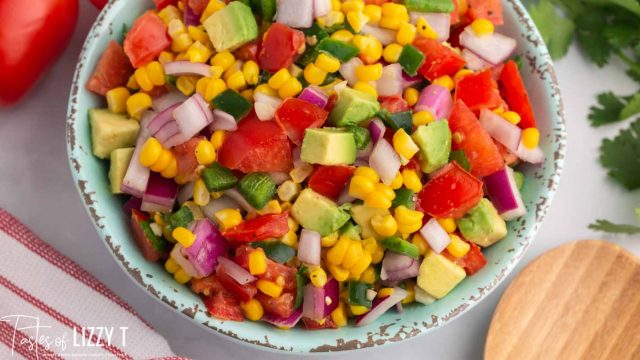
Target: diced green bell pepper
point(276, 251)
point(404, 197)
point(218, 178)
point(397, 120)
point(181, 218)
point(430, 6)
point(257, 188)
point(400, 246)
point(232, 103)
point(361, 135)
point(339, 49)
point(358, 293)
point(158, 243)
point(411, 59)
point(460, 157)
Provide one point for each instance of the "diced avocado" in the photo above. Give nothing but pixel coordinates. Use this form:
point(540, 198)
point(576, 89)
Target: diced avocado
point(353, 107)
point(439, 275)
point(120, 159)
point(316, 212)
point(351, 230)
point(434, 141)
point(362, 216)
point(431, 6)
point(328, 146)
point(482, 225)
point(231, 27)
point(111, 131)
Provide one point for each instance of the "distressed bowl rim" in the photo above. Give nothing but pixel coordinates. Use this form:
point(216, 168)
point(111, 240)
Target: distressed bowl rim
point(558, 128)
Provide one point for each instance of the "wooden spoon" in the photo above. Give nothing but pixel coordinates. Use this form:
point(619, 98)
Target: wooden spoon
point(578, 301)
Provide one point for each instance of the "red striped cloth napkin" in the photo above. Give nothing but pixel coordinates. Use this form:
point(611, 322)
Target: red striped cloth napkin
point(51, 308)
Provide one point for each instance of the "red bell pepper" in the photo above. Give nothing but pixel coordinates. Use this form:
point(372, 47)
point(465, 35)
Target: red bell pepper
point(33, 34)
point(259, 228)
point(296, 115)
point(330, 180)
point(478, 91)
point(513, 91)
point(439, 59)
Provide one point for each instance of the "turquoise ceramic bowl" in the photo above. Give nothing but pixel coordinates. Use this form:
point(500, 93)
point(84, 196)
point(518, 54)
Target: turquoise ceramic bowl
point(90, 175)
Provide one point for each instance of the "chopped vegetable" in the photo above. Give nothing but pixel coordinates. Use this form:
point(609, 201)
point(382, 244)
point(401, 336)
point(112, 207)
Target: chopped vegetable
point(232, 103)
point(218, 178)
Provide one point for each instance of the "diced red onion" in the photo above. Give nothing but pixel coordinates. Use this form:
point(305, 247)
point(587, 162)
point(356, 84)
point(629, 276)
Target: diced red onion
point(380, 306)
point(534, 156)
point(178, 68)
point(366, 152)
point(192, 116)
point(345, 197)
point(360, 162)
point(391, 82)
point(439, 22)
point(223, 121)
point(153, 207)
point(435, 99)
point(235, 195)
point(385, 36)
point(131, 204)
point(264, 111)
point(385, 161)
point(185, 264)
point(403, 274)
point(501, 188)
point(283, 323)
point(166, 132)
point(501, 129)
point(190, 17)
point(436, 236)
point(137, 176)
point(295, 13)
point(399, 308)
point(224, 202)
point(473, 61)
point(320, 302)
point(321, 8)
point(408, 80)
point(295, 154)
point(260, 97)
point(315, 96)
point(175, 140)
point(309, 247)
point(394, 261)
point(279, 177)
point(235, 271)
point(160, 191)
point(376, 129)
point(340, 86)
point(348, 71)
point(185, 193)
point(207, 249)
point(161, 119)
point(493, 48)
point(160, 103)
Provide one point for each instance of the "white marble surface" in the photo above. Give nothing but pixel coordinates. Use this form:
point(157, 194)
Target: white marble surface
point(36, 186)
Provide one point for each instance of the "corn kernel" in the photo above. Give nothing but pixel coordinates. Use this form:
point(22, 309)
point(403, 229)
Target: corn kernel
point(425, 30)
point(327, 62)
point(212, 7)
point(257, 262)
point(354, 252)
point(395, 10)
point(360, 187)
point(236, 81)
point(457, 247)
point(357, 20)
point(292, 224)
point(397, 182)
point(404, 145)
point(186, 84)
point(171, 266)
point(272, 207)
point(361, 265)
point(318, 277)
point(370, 245)
point(460, 74)
point(339, 315)
point(411, 180)
point(163, 161)
point(169, 13)
point(368, 275)
point(314, 75)
point(288, 190)
point(384, 225)
point(290, 238)
point(214, 88)
point(370, 48)
point(377, 199)
point(482, 27)
point(170, 171)
point(155, 72)
point(286, 206)
point(117, 99)
point(530, 137)
point(366, 87)
point(142, 78)
point(269, 288)
point(217, 139)
point(223, 59)
point(369, 72)
point(150, 152)
point(420, 243)
point(385, 292)
point(251, 72)
point(367, 172)
point(132, 84)
point(358, 309)
point(201, 195)
point(181, 277)
point(352, 5)
point(444, 81)
point(336, 254)
point(411, 96)
point(511, 116)
point(374, 12)
point(392, 53)
point(205, 152)
point(277, 80)
point(338, 272)
point(331, 19)
point(291, 88)
point(422, 118)
point(252, 309)
point(336, 5)
point(201, 85)
point(409, 221)
point(137, 104)
point(391, 23)
point(411, 292)
point(180, 44)
point(448, 224)
point(406, 34)
point(329, 240)
point(236, 66)
point(342, 35)
point(184, 236)
point(227, 218)
point(265, 89)
point(377, 256)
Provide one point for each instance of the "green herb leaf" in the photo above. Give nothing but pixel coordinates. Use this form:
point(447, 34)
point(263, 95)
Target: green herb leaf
point(556, 30)
point(632, 107)
point(621, 156)
point(607, 226)
point(609, 110)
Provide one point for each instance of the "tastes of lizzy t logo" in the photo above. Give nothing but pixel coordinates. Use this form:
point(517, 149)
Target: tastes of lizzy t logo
point(29, 334)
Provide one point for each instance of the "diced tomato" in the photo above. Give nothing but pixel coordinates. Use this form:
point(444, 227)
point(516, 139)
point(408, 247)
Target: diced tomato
point(156, 91)
point(472, 262)
point(207, 285)
point(280, 46)
point(224, 306)
point(452, 192)
point(259, 228)
point(413, 164)
point(257, 146)
point(249, 51)
point(508, 157)
point(478, 91)
point(274, 269)
point(198, 6)
point(161, 4)
point(487, 9)
point(281, 306)
point(243, 292)
point(146, 39)
point(186, 158)
point(475, 141)
point(330, 181)
point(393, 104)
point(296, 115)
point(439, 59)
point(513, 91)
point(113, 70)
point(311, 324)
